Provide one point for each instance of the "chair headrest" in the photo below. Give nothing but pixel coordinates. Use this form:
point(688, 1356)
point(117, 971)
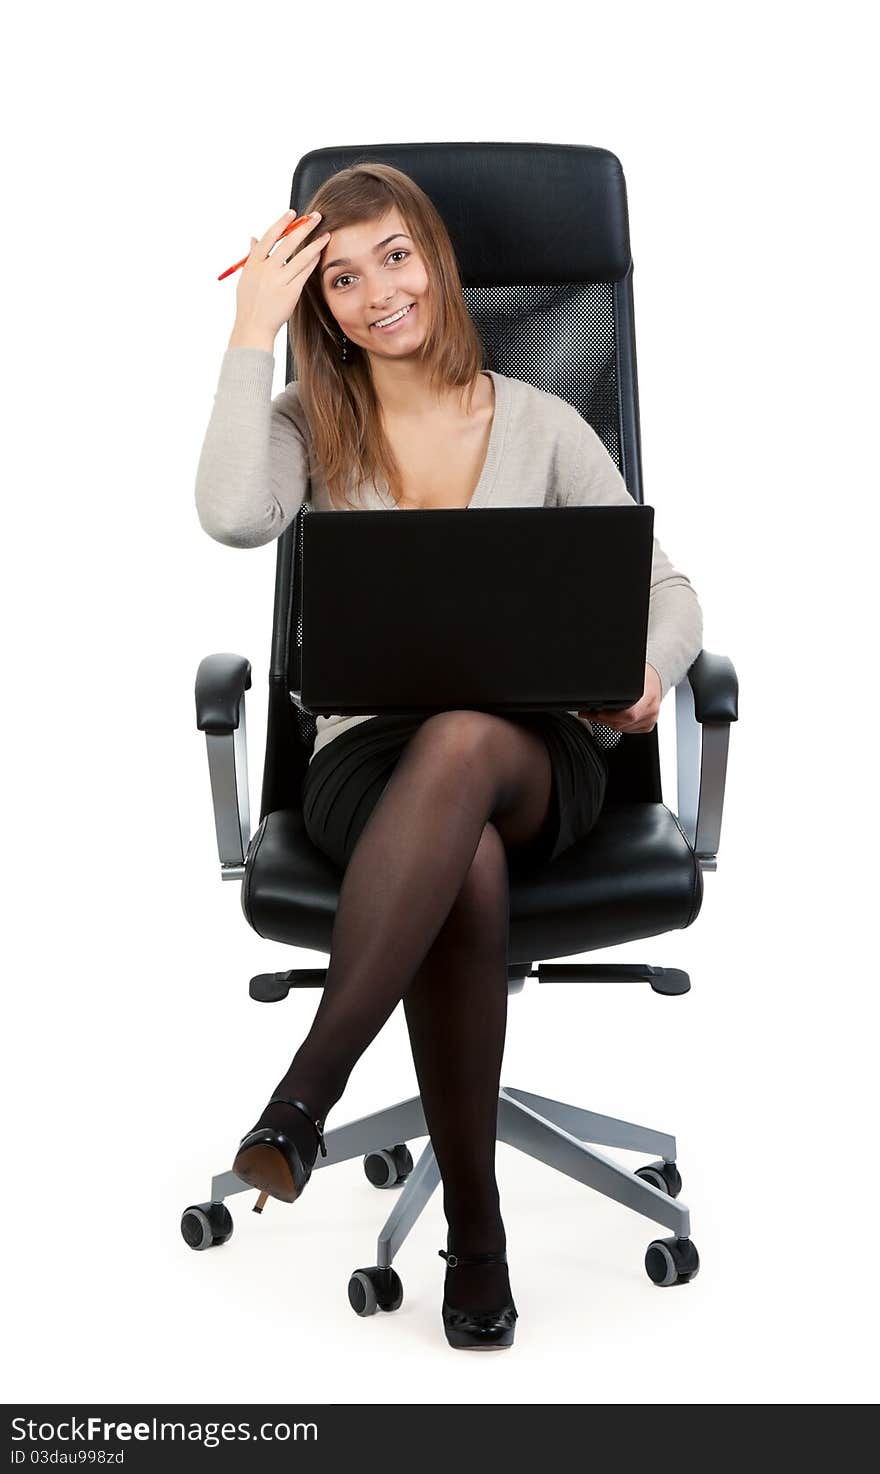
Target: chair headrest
point(516, 212)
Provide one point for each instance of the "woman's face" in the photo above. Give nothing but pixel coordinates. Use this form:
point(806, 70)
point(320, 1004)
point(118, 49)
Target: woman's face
point(367, 277)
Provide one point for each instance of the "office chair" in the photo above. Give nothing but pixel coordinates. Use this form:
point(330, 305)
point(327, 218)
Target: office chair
point(549, 285)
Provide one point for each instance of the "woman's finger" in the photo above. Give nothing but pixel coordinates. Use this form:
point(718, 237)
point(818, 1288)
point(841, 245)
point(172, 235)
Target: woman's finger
point(281, 224)
point(297, 235)
point(296, 245)
point(303, 260)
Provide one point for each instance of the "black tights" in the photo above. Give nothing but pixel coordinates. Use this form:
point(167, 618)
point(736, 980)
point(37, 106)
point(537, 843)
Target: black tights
point(423, 916)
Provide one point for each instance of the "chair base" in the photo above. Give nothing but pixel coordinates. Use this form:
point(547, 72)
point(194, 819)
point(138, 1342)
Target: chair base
point(563, 1136)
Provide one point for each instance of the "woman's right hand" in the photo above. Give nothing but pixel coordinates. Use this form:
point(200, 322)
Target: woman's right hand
point(271, 284)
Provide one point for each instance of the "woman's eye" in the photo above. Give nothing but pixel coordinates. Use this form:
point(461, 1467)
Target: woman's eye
point(346, 276)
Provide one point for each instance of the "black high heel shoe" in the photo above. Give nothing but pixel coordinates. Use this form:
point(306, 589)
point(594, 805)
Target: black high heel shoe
point(478, 1330)
point(271, 1161)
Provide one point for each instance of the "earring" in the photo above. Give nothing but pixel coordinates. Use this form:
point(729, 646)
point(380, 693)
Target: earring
point(344, 349)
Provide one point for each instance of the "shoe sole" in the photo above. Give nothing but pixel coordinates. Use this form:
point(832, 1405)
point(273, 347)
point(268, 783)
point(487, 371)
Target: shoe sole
point(265, 1168)
point(465, 1343)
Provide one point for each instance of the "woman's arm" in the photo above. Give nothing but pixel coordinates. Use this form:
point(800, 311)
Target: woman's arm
point(253, 471)
point(675, 619)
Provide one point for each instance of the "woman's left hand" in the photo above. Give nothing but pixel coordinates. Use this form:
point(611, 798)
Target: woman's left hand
point(639, 718)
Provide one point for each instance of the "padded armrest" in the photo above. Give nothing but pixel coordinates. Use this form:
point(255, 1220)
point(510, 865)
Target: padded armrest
point(221, 682)
point(706, 702)
point(715, 687)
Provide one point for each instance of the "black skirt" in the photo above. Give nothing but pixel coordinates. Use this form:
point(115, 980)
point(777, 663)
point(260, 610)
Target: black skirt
point(346, 777)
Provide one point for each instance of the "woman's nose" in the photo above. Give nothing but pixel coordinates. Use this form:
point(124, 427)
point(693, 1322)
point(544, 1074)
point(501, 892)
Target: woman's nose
point(379, 293)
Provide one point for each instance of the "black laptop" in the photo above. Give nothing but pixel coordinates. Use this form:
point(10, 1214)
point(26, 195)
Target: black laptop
point(504, 609)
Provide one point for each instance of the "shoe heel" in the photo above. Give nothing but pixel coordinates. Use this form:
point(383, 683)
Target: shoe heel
point(260, 1204)
point(271, 1162)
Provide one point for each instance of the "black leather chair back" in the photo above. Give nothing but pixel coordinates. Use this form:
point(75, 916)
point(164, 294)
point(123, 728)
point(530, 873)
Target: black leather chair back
point(541, 234)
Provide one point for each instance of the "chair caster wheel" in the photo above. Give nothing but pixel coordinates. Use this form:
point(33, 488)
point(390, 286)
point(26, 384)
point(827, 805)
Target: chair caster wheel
point(375, 1289)
point(206, 1224)
point(388, 1168)
point(672, 1261)
point(664, 1175)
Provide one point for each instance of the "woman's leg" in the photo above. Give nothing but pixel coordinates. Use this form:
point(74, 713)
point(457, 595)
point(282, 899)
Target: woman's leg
point(456, 1013)
point(458, 771)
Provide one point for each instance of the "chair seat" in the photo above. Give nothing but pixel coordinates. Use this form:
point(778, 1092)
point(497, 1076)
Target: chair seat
point(634, 875)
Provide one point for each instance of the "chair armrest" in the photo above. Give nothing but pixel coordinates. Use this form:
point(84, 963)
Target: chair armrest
point(705, 706)
point(221, 682)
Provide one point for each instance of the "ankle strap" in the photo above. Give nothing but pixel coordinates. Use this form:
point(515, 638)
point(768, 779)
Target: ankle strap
point(454, 1259)
point(282, 1100)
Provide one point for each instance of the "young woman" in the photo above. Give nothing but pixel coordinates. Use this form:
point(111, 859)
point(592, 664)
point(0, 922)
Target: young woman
point(392, 408)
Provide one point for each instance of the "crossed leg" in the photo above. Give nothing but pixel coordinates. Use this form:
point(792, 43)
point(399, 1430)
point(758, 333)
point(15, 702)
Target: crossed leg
point(429, 875)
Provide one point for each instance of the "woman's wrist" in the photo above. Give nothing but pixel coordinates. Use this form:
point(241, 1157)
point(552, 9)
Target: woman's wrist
point(243, 337)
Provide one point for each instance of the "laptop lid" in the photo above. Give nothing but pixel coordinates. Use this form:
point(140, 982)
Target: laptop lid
point(509, 608)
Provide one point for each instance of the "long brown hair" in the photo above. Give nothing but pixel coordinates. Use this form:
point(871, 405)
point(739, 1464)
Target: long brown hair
point(339, 399)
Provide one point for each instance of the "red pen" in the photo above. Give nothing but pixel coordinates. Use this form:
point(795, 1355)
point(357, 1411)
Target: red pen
point(286, 231)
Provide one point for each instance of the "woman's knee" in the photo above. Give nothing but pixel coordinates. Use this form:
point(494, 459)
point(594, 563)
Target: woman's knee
point(457, 733)
point(463, 747)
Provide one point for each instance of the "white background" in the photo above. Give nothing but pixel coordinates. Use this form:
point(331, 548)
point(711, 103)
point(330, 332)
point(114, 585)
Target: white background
point(143, 150)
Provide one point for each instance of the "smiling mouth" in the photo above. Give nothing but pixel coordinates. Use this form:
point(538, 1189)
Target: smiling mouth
point(383, 321)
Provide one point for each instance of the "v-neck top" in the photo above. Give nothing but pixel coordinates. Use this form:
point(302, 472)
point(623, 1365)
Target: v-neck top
point(258, 466)
point(498, 430)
